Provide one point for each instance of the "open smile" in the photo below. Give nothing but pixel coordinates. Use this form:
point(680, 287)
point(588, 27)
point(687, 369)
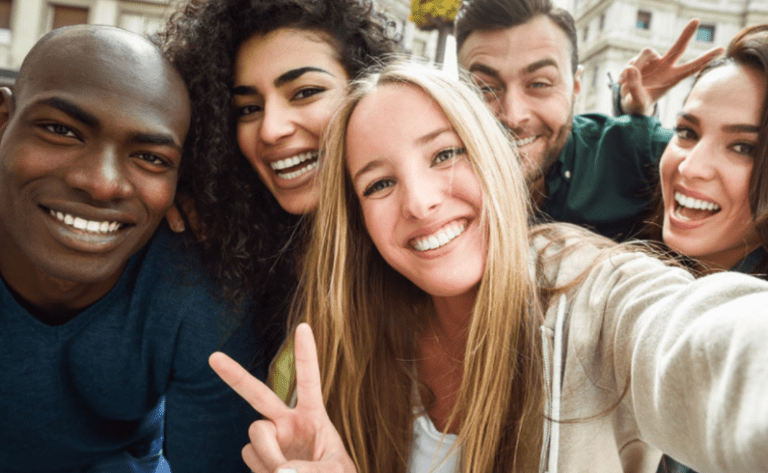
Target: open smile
point(440, 238)
point(295, 166)
point(525, 141)
point(689, 208)
point(88, 226)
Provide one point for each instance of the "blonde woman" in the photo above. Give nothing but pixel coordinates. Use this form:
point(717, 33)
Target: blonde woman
point(451, 337)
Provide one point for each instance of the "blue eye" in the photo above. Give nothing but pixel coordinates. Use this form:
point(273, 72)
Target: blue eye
point(449, 153)
point(377, 186)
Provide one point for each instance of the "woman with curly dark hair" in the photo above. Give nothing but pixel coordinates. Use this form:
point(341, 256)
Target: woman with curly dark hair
point(265, 76)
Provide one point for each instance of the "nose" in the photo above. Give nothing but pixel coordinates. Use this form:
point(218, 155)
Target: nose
point(101, 174)
point(421, 197)
point(515, 110)
point(698, 163)
point(277, 123)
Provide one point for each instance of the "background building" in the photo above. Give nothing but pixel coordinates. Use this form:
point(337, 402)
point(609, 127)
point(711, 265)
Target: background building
point(611, 32)
point(23, 22)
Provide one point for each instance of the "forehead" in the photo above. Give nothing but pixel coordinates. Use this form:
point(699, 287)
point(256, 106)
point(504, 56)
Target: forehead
point(118, 85)
point(723, 90)
point(264, 57)
point(512, 49)
point(399, 114)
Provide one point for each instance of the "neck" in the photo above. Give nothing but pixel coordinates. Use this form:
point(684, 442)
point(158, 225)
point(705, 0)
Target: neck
point(538, 190)
point(50, 299)
point(453, 314)
point(726, 261)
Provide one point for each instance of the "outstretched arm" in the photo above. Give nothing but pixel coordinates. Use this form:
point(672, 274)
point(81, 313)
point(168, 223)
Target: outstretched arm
point(649, 76)
point(302, 438)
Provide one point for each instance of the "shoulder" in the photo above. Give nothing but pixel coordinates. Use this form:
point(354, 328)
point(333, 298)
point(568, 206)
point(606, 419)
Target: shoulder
point(171, 283)
point(597, 124)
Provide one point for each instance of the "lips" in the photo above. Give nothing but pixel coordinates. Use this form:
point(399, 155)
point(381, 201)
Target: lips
point(441, 237)
point(295, 166)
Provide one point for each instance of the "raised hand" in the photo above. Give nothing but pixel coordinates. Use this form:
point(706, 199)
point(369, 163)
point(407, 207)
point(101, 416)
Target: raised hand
point(301, 439)
point(649, 76)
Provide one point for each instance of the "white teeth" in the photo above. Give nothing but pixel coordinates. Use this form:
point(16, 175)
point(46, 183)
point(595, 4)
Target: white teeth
point(293, 161)
point(91, 226)
point(299, 172)
point(436, 240)
point(692, 203)
point(524, 142)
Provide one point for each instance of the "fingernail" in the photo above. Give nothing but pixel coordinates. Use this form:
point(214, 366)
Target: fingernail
point(287, 470)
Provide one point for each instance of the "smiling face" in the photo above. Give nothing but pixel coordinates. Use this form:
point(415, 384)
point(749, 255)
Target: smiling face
point(526, 76)
point(88, 158)
point(287, 85)
point(420, 198)
point(706, 168)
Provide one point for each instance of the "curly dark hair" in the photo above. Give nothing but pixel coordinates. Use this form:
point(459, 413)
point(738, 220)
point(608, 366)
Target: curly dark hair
point(247, 240)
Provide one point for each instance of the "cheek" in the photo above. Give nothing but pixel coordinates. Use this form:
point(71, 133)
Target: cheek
point(738, 183)
point(668, 165)
point(157, 194)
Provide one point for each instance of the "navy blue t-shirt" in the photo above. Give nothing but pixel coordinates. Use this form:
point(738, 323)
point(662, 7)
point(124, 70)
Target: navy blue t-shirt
point(89, 391)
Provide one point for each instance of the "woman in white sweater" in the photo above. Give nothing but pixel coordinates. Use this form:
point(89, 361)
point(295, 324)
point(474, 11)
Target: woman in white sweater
point(453, 337)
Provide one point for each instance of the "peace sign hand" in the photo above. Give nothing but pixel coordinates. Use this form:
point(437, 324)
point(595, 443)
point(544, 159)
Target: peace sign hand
point(649, 75)
point(301, 439)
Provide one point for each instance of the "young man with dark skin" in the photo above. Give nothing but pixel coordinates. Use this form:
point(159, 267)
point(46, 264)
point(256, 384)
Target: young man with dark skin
point(589, 169)
point(107, 319)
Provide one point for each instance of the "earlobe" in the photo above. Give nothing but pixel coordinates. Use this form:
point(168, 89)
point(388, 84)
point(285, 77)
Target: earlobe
point(6, 105)
point(577, 81)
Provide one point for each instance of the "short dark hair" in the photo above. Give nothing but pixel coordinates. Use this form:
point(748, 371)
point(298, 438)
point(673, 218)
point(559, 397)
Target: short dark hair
point(483, 15)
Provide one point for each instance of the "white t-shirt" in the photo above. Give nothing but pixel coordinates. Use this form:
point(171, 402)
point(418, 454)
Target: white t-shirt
point(426, 442)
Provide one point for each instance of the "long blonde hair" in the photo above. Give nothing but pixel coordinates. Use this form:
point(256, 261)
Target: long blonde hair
point(366, 317)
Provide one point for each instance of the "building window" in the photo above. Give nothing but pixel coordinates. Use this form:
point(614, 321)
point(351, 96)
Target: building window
point(643, 20)
point(595, 75)
point(705, 33)
point(67, 16)
point(5, 14)
point(586, 33)
point(602, 22)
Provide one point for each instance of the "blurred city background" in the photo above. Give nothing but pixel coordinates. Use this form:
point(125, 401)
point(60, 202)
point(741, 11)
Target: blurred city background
point(610, 32)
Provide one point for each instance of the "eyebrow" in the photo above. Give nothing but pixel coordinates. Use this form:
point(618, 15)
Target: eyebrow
point(283, 79)
point(727, 128)
point(376, 163)
point(540, 64)
point(159, 139)
point(90, 120)
point(72, 110)
point(487, 70)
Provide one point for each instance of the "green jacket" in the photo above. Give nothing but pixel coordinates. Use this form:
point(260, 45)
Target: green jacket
point(605, 176)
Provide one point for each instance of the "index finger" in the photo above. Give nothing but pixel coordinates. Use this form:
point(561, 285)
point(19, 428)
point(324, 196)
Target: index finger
point(677, 49)
point(308, 384)
point(256, 393)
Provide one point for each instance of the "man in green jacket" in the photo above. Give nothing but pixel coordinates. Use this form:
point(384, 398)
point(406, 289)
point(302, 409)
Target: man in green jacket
point(591, 170)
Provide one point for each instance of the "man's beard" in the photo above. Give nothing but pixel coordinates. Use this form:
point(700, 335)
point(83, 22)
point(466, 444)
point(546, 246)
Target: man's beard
point(551, 154)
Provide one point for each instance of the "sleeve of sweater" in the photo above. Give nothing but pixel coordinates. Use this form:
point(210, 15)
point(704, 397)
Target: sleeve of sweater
point(206, 423)
point(694, 353)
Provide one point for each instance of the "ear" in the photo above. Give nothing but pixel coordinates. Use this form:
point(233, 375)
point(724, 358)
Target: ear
point(6, 105)
point(577, 81)
point(175, 221)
